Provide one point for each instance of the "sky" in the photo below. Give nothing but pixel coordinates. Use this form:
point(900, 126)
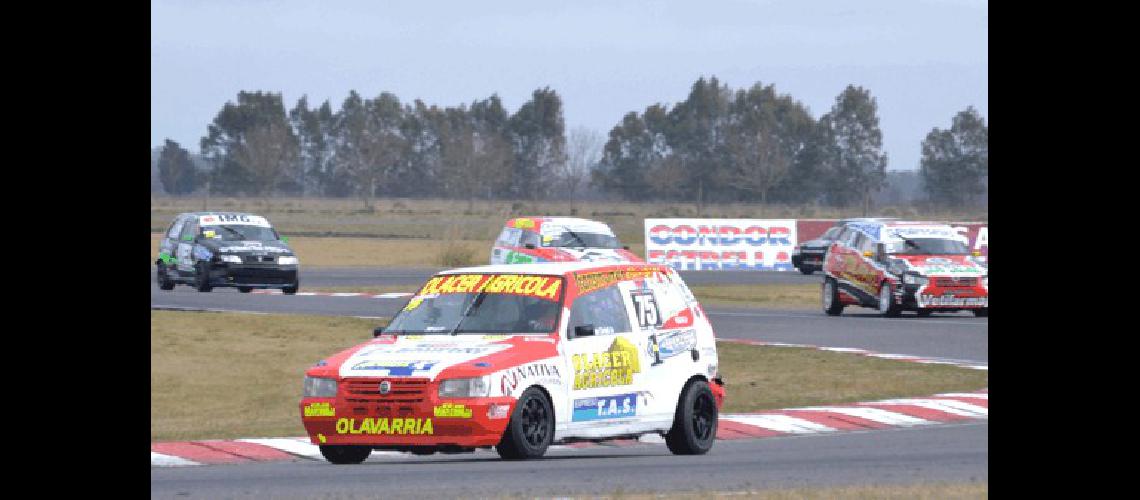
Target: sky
point(922, 60)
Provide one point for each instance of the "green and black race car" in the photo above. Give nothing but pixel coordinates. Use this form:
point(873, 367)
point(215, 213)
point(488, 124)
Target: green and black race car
point(225, 249)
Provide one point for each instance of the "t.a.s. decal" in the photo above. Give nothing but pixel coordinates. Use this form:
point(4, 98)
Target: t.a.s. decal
point(605, 407)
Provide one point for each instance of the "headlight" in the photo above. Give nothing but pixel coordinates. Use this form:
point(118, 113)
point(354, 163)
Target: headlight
point(317, 387)
point(465, 387)
point(914, 279)
point(287, 260)
point(234, 259)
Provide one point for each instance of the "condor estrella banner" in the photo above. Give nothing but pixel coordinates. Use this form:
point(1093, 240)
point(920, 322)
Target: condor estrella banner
point(721, 244)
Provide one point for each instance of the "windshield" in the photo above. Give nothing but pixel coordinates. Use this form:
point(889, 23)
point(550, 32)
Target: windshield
point(239, 232)
point(477, 303)
point(928, 246)
point(580, 239)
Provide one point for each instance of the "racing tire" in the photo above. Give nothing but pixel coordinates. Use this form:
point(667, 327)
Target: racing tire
point(695, 421)
point(202, 278)
point(887, 306)
point(982, 313)
point(807, 270)
point(829, 293)
point(345, 454)
point(164, 281)
point(531, 428)
point(925, 313)
point(291, 290)
point(245, 289)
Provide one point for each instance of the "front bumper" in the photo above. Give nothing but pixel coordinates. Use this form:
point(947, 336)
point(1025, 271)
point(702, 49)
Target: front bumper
point(934, 297)
point(455, 422)
point(253, 275)
point(810, 257)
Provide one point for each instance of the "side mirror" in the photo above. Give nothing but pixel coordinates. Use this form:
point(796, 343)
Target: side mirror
point(583, 331)
point(868, 253)
point(529, 246)
point(376, 332)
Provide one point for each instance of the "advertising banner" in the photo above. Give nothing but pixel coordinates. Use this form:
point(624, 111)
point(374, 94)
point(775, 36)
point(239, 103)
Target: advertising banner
point(721, 244)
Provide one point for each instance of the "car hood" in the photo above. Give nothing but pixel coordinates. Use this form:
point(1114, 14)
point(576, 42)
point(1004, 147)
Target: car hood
point(429, 355)
point(943, 265)
point(249, 247)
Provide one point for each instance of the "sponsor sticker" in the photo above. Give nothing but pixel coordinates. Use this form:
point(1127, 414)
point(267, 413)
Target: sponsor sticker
point(449, 410)
point(233, 219)
point(605, 407)
point(379, 426)
point(951, 300)
point(319, 410)
point(511, 378)
point(613, 367)
point(672, 343)
point(588, 282)
point(544, 287)
point(396, 368)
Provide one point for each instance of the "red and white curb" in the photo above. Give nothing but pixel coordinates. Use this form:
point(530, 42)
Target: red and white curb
point(391, 295)
point(888, 413)
point(973, 365)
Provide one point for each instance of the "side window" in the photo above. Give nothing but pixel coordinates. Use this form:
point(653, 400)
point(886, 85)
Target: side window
point(509, 237)
point(189, 229)
point(846, 236)
point(175, 228)
point(529, 238)
point(604, 309)
point(866, 244)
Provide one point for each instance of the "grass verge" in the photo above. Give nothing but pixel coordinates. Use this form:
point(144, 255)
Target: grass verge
point(234, 375)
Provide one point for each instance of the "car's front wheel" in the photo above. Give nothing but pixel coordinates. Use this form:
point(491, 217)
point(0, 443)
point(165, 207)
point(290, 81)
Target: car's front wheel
point(164, 281)
point(203, 277)
point(887, 306)
point(695, 421)
point(345, 454)
point(291, 290)
point(829, 295)
point(531, 428)
point(245, 289)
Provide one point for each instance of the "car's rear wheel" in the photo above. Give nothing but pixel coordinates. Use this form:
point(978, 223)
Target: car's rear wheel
point(203, 277)
point(245, 289)
point(290, 290)
point(887, 306)
point(695, 421)
point(922, 313)
point(531, 428)
point(807, 270)
point(982, 313)
point(164, 281)
point(345, 454)
point(830, 297)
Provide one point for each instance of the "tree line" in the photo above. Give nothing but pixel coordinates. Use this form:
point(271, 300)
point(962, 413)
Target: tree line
point(718, 145)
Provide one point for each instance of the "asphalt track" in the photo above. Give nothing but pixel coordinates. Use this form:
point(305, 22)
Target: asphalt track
point(944, 453)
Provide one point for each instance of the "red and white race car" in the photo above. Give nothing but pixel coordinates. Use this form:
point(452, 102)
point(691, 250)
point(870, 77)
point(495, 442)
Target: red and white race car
point(896, 266)
point(519, 357)
point(531, 240)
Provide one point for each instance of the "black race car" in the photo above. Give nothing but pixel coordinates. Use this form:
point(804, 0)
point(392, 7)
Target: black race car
point(213, 249)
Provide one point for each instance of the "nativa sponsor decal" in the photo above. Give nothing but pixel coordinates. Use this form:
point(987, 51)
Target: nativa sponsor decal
point(402, 426)
point(514, 376)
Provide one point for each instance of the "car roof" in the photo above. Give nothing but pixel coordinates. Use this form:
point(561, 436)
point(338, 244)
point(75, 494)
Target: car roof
point(551, 268)
point(212, 212)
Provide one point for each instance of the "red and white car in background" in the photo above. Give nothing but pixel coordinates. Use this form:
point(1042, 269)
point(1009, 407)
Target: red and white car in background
point(895, 266)
point(522, 356)
point(532, 240)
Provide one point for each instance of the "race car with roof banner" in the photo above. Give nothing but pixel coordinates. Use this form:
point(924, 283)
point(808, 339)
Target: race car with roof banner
point(522, 356)
point(225, 249)
point(531, 240)
point(895, 266)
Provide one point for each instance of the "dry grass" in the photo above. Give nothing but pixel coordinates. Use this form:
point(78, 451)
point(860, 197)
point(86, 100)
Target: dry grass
point(921, 491)
point(764, 378)
point(785, 296)
point(430, 219)
point(233, 375)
